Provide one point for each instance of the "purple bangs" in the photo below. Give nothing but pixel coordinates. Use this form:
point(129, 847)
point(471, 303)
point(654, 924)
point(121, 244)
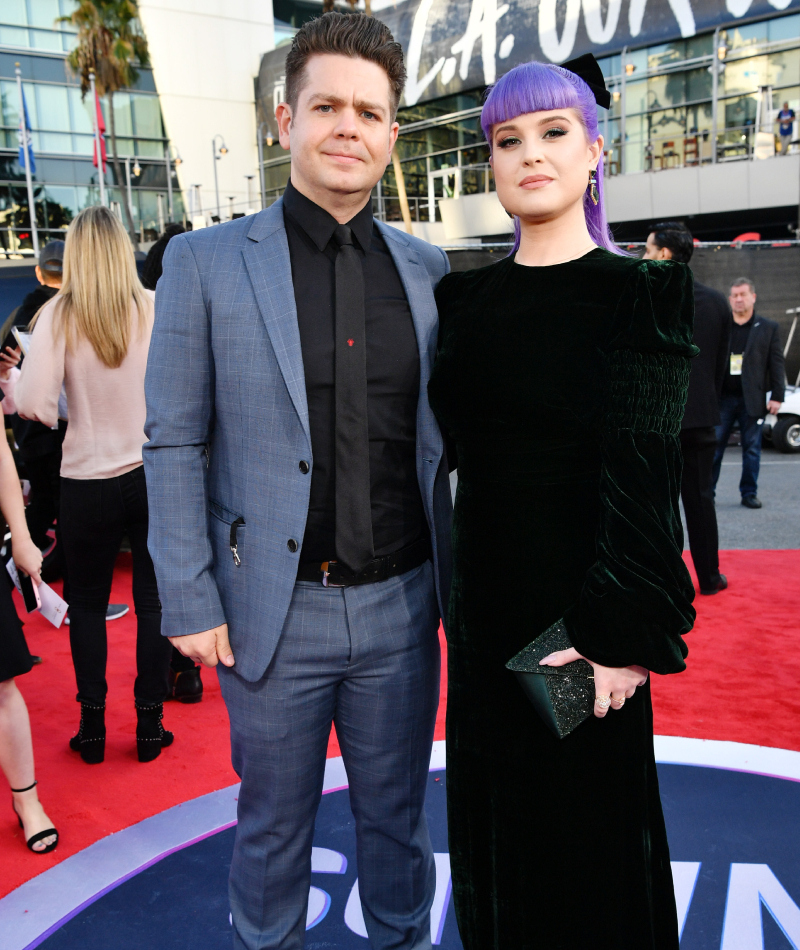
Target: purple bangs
point(540, 87)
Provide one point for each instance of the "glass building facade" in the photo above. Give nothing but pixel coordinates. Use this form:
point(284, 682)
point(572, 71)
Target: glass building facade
point(700, 100)
point(686, 102)
point(66, 180)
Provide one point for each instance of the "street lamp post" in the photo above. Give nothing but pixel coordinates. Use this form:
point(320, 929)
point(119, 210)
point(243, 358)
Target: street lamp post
point(222, 151)
point(170, 209)
point(249, 179)
point(136, 171)
point(262, 129)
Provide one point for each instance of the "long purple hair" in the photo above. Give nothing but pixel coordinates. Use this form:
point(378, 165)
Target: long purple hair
point(539, 87)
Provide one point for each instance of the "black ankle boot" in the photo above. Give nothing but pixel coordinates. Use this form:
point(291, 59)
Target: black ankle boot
point(186, 685)
point(151, 736)
point(91, 738)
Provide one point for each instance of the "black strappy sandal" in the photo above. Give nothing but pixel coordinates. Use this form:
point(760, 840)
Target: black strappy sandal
point(40, 835)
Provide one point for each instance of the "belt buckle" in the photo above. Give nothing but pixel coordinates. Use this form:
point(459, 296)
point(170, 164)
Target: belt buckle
point(326, 574)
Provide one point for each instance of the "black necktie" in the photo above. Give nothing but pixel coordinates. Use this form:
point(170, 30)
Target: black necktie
point(353, 510)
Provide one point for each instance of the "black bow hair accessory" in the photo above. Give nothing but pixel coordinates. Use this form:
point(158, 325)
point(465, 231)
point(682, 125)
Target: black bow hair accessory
point(588, 69)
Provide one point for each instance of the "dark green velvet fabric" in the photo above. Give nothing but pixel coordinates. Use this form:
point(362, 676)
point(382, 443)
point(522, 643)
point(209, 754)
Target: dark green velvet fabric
point(563, 389)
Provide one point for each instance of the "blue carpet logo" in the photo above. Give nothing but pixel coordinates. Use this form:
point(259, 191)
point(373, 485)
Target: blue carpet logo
point(732, 814)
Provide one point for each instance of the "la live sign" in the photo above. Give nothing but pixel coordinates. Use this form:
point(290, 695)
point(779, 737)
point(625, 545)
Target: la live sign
point(454, 45)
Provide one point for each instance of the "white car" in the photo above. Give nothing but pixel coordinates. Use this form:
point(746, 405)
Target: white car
point(783, 430)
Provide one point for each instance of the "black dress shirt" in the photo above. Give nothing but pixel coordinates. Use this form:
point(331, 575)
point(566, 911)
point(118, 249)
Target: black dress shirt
point(740, 334)
point(393, 378)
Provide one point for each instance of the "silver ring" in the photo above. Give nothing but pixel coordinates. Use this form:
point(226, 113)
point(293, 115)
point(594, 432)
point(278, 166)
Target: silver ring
point(603, 701)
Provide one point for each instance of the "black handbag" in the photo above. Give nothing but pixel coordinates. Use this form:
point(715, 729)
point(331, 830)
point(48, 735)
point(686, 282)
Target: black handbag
point(563, 696)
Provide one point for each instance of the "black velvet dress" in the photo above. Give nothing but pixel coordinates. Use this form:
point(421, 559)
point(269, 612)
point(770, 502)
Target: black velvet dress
point(563, 388)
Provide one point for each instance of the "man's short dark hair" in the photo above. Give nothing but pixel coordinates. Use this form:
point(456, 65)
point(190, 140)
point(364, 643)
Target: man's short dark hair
point(345, 34)
point(741, 281)
point(677, 238)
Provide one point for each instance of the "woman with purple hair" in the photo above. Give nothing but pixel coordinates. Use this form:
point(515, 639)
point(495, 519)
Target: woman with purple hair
point(561, 379)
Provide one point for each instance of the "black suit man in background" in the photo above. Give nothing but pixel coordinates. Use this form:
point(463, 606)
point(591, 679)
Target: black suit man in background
point(754, 369)
point(712, 329)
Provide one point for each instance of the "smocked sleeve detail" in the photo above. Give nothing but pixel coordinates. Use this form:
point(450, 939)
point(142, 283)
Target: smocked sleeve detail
point(636, 601)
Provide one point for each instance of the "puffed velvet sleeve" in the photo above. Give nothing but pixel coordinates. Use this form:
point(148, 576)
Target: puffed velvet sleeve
point(636, 601)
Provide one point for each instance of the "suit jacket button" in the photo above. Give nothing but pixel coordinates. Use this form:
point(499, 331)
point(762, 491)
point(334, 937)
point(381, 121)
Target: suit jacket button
point(292, 545)
point(304, 467)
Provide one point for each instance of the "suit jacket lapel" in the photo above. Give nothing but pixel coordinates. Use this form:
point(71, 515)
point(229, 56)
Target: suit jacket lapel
point(270, 269)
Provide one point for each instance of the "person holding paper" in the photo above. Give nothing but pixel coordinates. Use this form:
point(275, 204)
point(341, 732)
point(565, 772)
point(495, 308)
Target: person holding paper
point(16, 746)
point(93, 337)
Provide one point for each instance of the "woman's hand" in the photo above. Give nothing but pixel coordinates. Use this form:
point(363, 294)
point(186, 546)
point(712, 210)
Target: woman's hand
point(28, 558)
point(612, 685)
point(8, 360)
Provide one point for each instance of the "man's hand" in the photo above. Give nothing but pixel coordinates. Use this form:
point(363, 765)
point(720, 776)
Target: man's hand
point(774, 407)
point(209, 647)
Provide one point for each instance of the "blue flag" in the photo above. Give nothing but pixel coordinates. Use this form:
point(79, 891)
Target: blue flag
point(26, 139)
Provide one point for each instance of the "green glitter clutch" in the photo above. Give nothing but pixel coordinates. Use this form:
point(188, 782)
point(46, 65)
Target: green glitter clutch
point(562, 695)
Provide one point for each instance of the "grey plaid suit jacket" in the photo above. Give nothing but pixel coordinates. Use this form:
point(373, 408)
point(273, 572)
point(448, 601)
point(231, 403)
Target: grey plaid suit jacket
point(227, 423)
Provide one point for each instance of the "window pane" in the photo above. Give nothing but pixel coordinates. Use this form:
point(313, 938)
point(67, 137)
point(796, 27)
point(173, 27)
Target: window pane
point(666, 90)
point(45, 39)
point(43, 13)
point(740, 112)
point(61, 206)
point(698, 118)
point(148, 208)
point(149, 149)
point(636, 128)
point(747, 35)
point(14, 12)
point(53, 103)
point(30, 101)
point(275, 177)
point(610, 65)
point(84, 144)
point(699, 46)
point(10, 101)
point(146, 116)
point(745, 75)
point(792, 96)
point(122, 115)
point(634, 157)
point(635, 97)
point(698, 84)
point(11, 36)
point(55, 142)
point(784, 28)
point(658, 56)
point(638, 59)
point(80, 110)
point(784, 68)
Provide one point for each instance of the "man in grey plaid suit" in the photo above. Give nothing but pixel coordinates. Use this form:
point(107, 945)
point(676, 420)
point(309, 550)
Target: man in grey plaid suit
point(289, 365)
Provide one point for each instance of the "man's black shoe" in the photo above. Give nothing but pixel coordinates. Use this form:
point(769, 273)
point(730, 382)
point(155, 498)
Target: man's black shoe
point(186, 686)
point(722, 584)
point(750, 501)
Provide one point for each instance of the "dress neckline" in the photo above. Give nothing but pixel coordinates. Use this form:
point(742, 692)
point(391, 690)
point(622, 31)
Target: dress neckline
point(575, 260)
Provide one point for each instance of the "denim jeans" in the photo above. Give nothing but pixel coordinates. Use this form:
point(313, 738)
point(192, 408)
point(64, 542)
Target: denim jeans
point(95, 514)
point(732, 409)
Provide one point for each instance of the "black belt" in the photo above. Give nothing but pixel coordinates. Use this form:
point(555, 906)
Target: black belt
point(333, 574)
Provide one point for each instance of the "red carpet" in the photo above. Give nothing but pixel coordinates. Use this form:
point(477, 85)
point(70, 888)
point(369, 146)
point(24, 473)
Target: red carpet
point(740, 685)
